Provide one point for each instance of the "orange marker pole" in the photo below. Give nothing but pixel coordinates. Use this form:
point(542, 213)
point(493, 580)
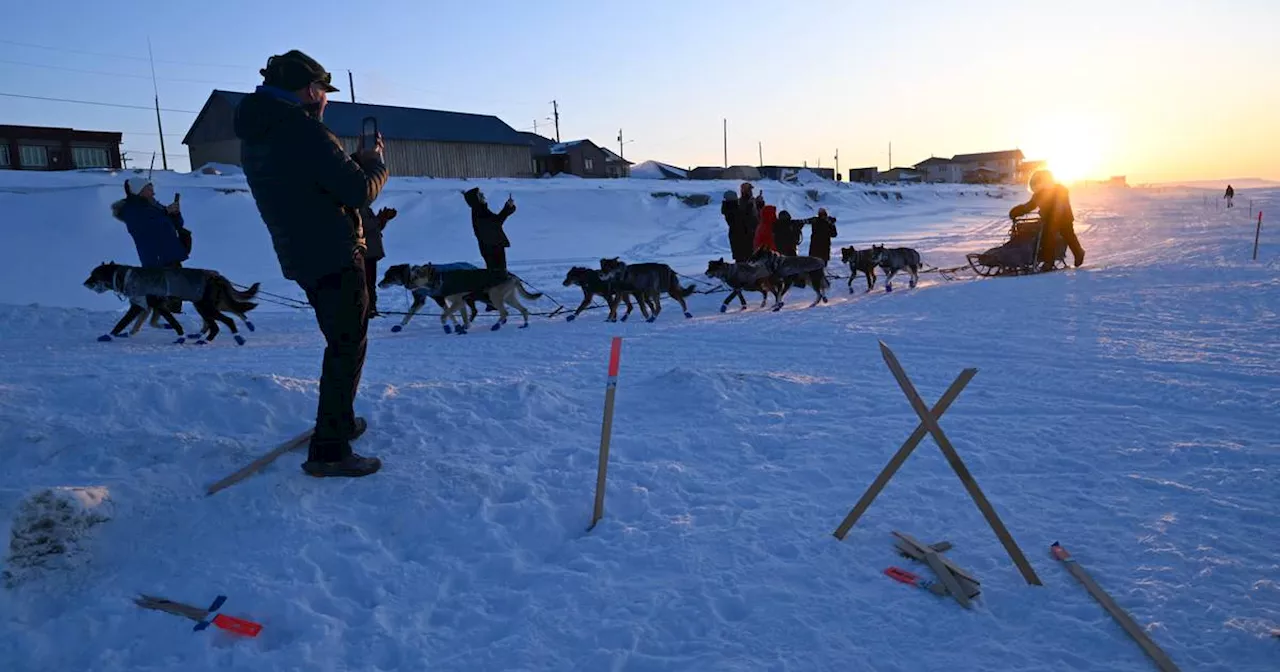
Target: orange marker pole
point(606, 429)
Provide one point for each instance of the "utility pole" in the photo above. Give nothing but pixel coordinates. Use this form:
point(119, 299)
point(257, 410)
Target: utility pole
point(556, 110)
point(164, 158)
point(351, 84)
point(890, 155)
point(837, 163)
point(535, 126)
point(760, 147)
point(620, 143)
point(726, 143)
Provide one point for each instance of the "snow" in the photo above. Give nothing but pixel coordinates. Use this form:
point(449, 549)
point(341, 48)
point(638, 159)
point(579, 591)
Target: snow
point(1125, 409)
point(654, 170)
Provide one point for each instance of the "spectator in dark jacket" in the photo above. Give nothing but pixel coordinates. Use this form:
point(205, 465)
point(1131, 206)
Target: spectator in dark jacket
point(487, 228)
point(739, 240)
point(373, 227)
point(821, 230)
point(787, 233)
point(750, 213)
point(309, 193)
point(158, 231)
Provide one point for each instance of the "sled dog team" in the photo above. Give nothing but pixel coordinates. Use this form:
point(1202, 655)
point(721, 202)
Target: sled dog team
point(457, 287)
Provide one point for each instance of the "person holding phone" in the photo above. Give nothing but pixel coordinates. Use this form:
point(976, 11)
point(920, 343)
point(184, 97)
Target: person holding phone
point(309, 192)
point(487, 227)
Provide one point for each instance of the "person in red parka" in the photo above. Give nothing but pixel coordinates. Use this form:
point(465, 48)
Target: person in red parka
point(764, 232)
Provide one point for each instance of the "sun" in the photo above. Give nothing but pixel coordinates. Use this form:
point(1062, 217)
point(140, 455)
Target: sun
point(1072, 151)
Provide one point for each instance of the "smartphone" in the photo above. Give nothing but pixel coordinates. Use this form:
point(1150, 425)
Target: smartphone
point(176, 196)
point(369, 133)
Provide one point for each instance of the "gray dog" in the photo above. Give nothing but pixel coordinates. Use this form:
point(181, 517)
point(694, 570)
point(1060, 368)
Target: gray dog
point(895, 259)
point(787, 270)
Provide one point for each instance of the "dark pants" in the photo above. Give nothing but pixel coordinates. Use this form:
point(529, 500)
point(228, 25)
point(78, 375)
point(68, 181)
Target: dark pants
point(495, 257)
point(371, 282)
point(1068, 233)
point(341, 303)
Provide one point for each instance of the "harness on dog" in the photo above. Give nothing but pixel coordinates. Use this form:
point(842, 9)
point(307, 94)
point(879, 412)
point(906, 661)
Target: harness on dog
point(188, 284)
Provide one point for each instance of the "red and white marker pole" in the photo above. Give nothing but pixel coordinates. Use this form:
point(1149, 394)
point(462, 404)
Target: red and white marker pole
point(606, 428)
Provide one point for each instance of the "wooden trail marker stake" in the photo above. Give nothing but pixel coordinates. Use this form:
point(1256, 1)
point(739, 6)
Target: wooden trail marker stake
point(1117, 612)
point(606, 429)
point(929, 420)
point(258, 464)
point(1257, 234)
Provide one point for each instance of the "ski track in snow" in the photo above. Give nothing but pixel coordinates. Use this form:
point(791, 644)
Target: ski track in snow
point(1125, 409)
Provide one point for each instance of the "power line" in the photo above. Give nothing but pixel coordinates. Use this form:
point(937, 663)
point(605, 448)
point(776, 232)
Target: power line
point(132, 58)
point(249, 68)
point(105, 73)
point(101, 104)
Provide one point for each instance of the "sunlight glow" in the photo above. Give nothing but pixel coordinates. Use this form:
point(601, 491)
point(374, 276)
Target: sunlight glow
point(1074, 148)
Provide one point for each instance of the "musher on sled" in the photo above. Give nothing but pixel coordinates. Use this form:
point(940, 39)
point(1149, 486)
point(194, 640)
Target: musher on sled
point(1054, 203)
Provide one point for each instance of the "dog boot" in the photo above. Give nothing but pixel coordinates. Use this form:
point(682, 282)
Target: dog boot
point(353, 466)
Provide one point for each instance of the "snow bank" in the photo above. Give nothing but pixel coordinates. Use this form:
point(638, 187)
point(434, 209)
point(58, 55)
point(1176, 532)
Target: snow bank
point(51, 531)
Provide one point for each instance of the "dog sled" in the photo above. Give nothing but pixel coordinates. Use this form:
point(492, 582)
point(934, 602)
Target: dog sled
point(1019, 255)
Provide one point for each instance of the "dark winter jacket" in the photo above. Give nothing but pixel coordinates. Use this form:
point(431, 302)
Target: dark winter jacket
point(484, 223)
point(739, 234)
point(373, 228)
point(787, 233)
point(1054, 203)
point(822, 230)
point(309, 192)
point(156, 234)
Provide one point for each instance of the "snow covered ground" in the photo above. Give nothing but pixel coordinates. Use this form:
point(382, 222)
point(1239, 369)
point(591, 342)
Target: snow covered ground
point(1126, 409)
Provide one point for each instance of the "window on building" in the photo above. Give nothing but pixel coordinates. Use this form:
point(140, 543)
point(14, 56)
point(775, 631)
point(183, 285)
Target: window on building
point(588, 164)
point(91, 157)
point(34, 156)
point(4, 153)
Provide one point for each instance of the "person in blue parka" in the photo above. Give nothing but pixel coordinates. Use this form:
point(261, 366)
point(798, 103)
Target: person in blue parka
point(158, 231)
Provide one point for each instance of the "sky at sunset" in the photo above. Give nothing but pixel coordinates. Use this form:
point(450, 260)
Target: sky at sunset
point(1156, 91)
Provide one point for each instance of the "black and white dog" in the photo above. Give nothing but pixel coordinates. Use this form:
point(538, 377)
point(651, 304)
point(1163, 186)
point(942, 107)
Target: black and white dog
point(150, 289)
point(895, 259)
point(859, 260)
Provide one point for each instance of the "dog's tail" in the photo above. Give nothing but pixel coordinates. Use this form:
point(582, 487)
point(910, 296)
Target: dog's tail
point(247, 294)
point(534, 296)
point(688, 290)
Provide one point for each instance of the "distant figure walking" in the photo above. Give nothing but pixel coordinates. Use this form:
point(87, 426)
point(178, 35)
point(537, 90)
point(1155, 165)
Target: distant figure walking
point(1231, 194)
point(487, 227)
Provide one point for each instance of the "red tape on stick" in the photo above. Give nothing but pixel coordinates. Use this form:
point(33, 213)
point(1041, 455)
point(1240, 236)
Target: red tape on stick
point(615, 355)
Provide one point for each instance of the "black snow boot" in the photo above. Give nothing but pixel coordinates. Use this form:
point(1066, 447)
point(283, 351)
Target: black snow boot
point(354, 466)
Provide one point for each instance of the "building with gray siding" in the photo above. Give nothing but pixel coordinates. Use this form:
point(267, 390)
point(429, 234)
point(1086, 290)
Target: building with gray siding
point(417, 142)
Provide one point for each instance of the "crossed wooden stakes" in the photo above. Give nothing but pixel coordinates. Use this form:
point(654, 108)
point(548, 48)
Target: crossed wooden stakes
point(929, 425)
